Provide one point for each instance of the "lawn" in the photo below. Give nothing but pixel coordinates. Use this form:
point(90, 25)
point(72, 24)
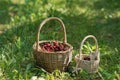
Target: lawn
point(19, 22)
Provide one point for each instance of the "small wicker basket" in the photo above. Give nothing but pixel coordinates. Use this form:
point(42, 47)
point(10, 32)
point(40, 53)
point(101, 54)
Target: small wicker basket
point(52, 60)
point(90, 65)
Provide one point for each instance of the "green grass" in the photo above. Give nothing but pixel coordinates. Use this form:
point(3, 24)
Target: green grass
point(100, 18)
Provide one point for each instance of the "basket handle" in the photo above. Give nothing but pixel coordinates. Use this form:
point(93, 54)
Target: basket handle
point(44, 22)
point(80, 53)
point(96, 43)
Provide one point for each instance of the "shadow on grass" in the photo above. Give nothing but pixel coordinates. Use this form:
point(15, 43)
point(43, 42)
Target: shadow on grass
point(111, 6)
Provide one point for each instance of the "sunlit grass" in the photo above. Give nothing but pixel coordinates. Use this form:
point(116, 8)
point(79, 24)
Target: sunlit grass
point(18, 1)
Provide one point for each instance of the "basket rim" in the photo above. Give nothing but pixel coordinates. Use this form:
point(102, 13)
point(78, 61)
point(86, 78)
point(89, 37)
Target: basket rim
point(77, 58)
point(61, 52)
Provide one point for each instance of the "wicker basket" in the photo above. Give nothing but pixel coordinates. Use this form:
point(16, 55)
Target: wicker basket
point(52, 60)
point(90, 65)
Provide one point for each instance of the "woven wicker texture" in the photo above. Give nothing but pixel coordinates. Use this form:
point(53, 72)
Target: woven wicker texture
point(52, 60)
point(90, 65)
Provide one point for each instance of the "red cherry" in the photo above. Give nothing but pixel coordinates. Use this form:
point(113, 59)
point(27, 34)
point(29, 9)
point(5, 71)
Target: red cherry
point(45, 45)
point(54, 46)
point(61, 47)
point(86, 58)
point(48, 44)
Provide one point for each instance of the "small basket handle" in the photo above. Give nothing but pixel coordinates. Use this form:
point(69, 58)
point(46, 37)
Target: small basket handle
point(44, 22)
point(96, 43)
point(80, 53)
